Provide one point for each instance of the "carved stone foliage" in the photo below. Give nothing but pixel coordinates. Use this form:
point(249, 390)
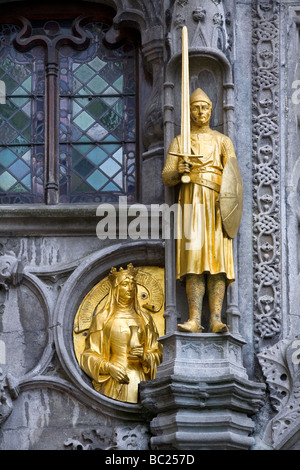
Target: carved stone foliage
point(112, 437)
point(8, 391)
point(266, 173)
point(280, 365)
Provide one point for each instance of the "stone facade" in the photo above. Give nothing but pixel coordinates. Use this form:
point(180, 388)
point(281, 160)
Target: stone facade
point(237, 391)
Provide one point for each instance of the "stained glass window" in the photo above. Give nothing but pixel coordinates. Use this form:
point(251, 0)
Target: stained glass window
point(97, 118)
point(97, 121)
point(21, 122)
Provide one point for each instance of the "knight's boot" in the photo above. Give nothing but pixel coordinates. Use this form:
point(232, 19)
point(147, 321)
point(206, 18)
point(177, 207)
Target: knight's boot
point(216, 325)
point(193, 325)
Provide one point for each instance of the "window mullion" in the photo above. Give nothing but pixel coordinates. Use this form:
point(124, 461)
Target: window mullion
point(51, 141)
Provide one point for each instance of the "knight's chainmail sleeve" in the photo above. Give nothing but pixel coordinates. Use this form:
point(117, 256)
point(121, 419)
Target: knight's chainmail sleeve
point(170, 174)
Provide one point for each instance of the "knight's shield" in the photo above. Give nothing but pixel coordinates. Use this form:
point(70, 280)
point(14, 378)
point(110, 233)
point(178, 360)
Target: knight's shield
point(231, 197)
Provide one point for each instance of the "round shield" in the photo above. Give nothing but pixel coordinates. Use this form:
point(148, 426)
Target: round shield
point(231, 197)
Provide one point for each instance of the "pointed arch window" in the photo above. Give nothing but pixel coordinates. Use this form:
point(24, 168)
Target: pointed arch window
point(68, 127)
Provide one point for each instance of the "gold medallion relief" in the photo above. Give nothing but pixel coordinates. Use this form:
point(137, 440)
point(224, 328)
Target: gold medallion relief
point(116, 331)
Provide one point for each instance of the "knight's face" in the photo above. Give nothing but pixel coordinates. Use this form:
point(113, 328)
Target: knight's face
point(200, 112)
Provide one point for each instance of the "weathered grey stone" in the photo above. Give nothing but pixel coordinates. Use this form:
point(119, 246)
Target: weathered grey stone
point(208, 393)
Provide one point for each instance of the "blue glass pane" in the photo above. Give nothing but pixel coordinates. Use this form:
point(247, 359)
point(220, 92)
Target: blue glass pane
point(97, 180)
point(97, 156)
point(7, 157)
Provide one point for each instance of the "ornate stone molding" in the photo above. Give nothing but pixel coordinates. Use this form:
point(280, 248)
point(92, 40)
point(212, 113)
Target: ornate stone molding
point(59, 288)
point(266, 173)
point(203, 398)
point(280, 365)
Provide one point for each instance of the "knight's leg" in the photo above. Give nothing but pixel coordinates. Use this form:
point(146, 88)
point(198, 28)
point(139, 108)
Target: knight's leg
point(216, 287)
point(195, 290)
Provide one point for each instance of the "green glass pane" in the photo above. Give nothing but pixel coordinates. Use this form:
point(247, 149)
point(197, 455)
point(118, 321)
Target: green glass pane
point(83, 102)
point(118, 84)
point(20, 139)
point(7, 110)
point(18, 102)
point(27, 133)
point(110, 91)
point(76, 156)
point(84, 138)
point(97, 180)
point(96, 108)
point(6, 181)
point(19, 92)
point(27, 109)
point(85, 148)
point(83, 168)
point(110, 138)
point(7, 134)
point(119, 107)
point(76, 108)
point(10, 84)
point(97, 85)
point(19, 188)
point(75, 181)
point(97, 64)
point(97, 156)
point(84, 73)
point(111, 148)
point(84, 91)
point(110, 100)
point(7, 157)
point(110, 120)
point(83, 188)
point(27, 84)
point(84, 121)
point(19, 120)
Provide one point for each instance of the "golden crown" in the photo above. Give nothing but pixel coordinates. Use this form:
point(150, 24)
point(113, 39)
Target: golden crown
point(116, 276)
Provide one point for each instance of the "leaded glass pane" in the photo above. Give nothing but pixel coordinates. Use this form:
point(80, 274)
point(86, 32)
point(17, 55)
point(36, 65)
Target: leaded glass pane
point(21, 122)
point(97, 126)
point(97, 88)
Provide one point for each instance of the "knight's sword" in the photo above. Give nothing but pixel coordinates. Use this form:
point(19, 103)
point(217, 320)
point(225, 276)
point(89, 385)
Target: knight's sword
point(185, 104)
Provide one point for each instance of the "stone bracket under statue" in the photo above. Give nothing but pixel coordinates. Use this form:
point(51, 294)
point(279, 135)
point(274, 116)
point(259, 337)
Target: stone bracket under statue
point(202, 397)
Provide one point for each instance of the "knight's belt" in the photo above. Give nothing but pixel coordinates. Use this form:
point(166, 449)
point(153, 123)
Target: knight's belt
point(198, 179)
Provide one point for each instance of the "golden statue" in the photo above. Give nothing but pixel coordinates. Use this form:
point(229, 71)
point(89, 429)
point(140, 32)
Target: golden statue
point(203, 162)
point(121, 346)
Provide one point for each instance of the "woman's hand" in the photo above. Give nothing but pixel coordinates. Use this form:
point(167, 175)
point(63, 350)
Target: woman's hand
point(137, 351)
point(118, 373)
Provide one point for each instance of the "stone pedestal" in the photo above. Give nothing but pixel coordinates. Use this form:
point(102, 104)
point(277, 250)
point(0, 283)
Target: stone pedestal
point(201, 397)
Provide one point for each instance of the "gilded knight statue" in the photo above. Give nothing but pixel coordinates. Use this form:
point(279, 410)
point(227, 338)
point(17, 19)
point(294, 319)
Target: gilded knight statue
point(204, 248)
point(121, 346)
